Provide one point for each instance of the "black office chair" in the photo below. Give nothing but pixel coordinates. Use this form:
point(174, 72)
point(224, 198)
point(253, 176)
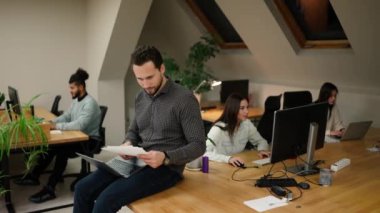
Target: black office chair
point(90, 148)
point(207, 125)
point(265, 127)
point(94, 145)
point(55, 106)
point(295, 99)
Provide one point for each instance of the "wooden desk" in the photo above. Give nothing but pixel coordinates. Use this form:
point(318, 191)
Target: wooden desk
point(64, 138)
point(354, 189)
point(212, 115)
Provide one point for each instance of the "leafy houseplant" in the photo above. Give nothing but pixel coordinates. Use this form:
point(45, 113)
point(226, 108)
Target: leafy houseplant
point(24, 129)
point(194, 75)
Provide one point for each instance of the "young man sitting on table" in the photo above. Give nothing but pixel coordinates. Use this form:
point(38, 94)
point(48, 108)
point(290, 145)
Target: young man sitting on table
point(231, 133)
point(167, 124)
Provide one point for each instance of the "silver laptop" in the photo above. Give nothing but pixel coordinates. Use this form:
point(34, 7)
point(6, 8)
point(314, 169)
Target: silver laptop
point(356, 130)
point(116, 166)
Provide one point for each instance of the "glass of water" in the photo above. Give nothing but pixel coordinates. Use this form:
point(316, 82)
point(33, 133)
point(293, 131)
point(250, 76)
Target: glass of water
point(325, 177)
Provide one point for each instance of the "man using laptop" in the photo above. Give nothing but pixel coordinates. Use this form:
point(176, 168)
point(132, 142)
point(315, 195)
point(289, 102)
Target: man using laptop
point(84, 115)
point(167, 125)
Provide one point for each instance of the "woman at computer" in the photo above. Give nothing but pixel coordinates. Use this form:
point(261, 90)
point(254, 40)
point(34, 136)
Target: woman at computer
point(232, 131)
point(329, 93)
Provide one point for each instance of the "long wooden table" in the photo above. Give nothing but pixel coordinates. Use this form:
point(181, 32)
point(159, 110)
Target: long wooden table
point(354, 188)
point(55, 139)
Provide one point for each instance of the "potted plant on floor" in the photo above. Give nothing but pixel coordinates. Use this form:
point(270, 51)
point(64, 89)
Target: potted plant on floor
point(24, 129)
point(194, 75)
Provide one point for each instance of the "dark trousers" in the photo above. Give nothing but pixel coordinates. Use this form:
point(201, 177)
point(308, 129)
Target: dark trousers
point(104, 192)
point(61, 154)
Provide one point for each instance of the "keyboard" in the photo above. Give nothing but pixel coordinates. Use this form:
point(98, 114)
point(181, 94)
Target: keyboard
point(262, 162)
point(269, 182)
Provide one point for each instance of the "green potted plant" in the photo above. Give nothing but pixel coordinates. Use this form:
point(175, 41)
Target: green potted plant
point(194, 75)
point(24, 129)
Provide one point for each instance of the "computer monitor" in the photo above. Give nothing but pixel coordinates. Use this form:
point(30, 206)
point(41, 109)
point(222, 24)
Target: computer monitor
point(297, 131)
point(240, 87)
point(14, 100)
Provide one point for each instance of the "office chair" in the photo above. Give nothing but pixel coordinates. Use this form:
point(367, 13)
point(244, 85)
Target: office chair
point(265, 127)
point(90, 148)
point(55, 106)
point(207, 125)
point(295, 99)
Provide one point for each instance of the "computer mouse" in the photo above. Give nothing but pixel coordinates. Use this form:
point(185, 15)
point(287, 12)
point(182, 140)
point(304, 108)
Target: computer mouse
point(278, 190)
point(241, 165)
point(304, 185)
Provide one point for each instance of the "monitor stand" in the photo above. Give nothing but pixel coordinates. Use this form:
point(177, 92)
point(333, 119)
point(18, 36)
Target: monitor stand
point(308, 168)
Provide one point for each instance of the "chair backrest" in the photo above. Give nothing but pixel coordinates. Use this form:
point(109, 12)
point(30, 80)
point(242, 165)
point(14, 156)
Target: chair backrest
point(298, 98)
point(103, 112)
point(102, 130)
point(265, 126)
point(97, 142)
point(55, 106)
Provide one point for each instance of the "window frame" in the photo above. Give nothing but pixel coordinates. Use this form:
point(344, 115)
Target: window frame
point(212, 30)
point(299, 34)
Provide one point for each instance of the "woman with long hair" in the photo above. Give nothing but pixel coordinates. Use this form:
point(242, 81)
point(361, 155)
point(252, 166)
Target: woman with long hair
point(329, 93)
point(232, 131)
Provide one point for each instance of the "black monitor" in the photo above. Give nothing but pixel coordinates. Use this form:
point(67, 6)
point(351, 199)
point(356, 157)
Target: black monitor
point(14, 100)
point(297, 131)
point(240, 87)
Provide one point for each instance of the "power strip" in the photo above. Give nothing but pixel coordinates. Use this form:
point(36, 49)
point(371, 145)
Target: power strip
point(340, 164)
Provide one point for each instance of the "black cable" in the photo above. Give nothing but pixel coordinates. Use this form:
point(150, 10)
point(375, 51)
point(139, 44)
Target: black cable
point(299, 196)
point(242, 180)
point(285, 168)
point(270, 169)
point(310, 181)
point(273, 177)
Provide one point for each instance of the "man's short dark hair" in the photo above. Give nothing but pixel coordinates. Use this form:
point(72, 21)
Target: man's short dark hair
point(144, 54)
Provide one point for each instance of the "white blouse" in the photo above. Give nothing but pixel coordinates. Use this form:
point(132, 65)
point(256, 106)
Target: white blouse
point(220, 147)
point(334, 121)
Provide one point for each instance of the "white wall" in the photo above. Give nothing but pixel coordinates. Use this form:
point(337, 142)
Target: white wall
point(41, 45)
point(99, 22)
point(126, 31)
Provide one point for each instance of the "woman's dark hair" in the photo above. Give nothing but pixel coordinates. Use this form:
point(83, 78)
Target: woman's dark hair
point(230, 113)
point(144, 54)
point(326, 91)
point(79, 77)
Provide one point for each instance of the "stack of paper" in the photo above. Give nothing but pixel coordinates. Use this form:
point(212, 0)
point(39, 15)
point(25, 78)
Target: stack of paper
point(266, 203)
point(125, 150)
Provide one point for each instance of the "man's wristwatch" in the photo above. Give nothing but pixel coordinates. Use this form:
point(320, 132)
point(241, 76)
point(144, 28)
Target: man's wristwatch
point(166, 160)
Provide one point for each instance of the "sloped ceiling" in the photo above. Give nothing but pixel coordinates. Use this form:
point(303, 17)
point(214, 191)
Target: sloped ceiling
point(274, 60)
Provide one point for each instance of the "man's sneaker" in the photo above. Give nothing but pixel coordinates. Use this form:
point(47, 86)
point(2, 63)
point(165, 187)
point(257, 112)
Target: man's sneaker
point(47, 193)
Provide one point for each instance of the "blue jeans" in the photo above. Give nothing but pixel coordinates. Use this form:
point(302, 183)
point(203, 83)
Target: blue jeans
point(104, 192)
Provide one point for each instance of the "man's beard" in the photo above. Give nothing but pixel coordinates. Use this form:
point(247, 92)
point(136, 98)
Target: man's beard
point(155, 89)
point(76, 95)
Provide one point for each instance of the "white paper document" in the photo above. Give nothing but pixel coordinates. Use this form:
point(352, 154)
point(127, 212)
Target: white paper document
point(55, 132)
point(374, 149)
point(329, 139)
point(125, 150)
point(266, 203)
